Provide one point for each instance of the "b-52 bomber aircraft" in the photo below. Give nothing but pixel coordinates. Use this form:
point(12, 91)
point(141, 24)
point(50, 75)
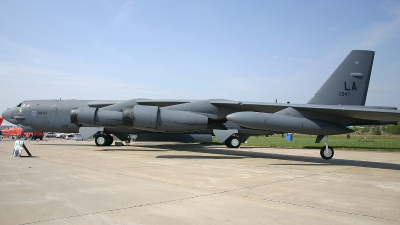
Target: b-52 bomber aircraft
point(61, 116)
point(339, 103)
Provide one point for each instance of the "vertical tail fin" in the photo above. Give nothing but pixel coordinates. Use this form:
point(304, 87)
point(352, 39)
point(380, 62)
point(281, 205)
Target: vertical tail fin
point(348, 84)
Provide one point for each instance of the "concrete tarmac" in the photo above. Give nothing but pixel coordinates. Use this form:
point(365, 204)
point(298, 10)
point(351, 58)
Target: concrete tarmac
point(75, 182)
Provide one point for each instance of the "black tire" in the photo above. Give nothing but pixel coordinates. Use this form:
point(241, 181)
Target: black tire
point(227, 143)
point(101, 140)
point(233, 142)
point(110, 140)
point(327, 153)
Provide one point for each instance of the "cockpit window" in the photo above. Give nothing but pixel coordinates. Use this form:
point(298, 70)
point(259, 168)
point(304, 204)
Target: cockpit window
point(23, 105)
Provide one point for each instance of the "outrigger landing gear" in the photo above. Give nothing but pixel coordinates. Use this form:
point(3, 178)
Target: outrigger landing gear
point(104, 140)
point(326, 151)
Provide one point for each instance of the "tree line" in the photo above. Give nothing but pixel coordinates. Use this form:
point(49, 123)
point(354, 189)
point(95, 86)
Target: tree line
point(378, 129)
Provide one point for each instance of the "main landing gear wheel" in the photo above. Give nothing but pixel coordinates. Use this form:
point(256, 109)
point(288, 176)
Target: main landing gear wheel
point(233, 142)
point(101, 140)
point(104, 140)
point(326, 153)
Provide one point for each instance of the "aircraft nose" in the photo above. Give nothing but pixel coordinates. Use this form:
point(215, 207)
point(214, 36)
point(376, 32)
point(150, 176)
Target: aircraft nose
point(7, 115)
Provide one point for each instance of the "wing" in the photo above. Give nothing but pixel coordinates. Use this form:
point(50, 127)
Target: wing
point(356, 112)
point(163, 102)
point(152, 102)
point(101, 104)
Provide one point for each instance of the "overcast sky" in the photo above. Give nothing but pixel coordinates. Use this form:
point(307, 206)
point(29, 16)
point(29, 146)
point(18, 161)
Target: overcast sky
point(238, 50)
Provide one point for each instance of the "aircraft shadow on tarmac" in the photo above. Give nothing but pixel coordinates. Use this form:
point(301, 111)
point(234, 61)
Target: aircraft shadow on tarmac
point(251, 154)
point(103, 149)
point(198, 157)
point(239, 154)
point(64, 144)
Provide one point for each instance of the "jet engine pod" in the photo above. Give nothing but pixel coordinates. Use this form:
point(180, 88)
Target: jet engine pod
point(108, 118)
point(140, 116)
point(153, 118)
point(180, 121)
point(94, 116)
point(83, 115)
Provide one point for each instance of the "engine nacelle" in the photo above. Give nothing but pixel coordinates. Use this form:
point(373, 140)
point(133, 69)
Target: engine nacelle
point(153, 118)
point(150, 118)
point(94, 116)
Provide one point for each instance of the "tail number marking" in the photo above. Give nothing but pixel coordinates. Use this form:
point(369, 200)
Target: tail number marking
point(353, 87)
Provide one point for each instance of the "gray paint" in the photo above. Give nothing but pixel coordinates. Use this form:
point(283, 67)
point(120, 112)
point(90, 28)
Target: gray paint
point(338, 103)
point(286, 124)
point(348, 85)
point(207, 138)
point(45, 115)
point(222, 135)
